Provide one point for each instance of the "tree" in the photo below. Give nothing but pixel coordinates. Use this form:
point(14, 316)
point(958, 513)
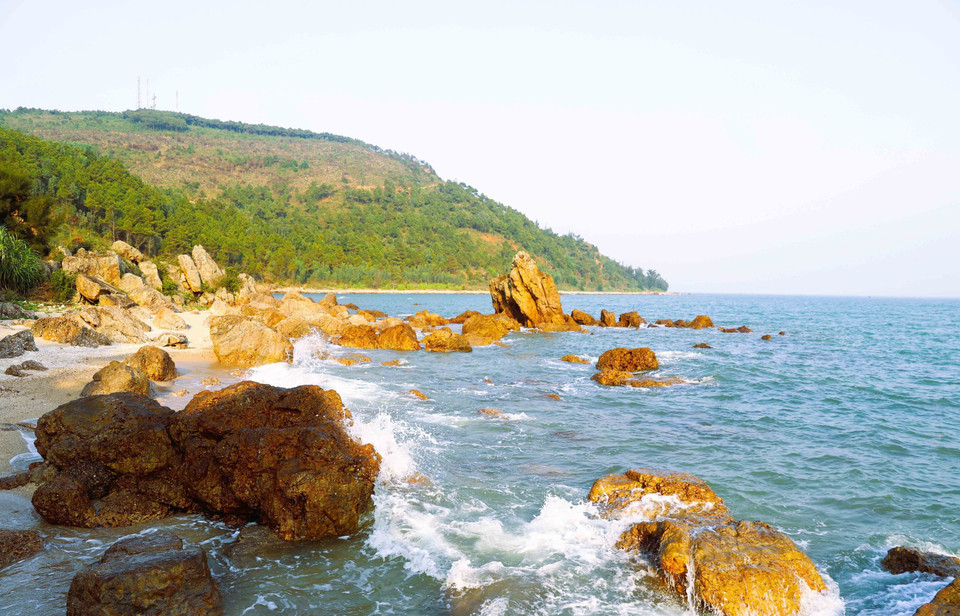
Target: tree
point(31, 218)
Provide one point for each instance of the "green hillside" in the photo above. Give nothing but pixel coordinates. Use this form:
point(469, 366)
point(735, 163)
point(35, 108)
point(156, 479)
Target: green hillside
point(290, 205)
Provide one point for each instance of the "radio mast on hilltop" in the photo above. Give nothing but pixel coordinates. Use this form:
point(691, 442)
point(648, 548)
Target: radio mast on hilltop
point(138, 91)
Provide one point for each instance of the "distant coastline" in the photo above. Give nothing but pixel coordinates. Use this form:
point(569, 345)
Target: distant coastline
point(286, 289)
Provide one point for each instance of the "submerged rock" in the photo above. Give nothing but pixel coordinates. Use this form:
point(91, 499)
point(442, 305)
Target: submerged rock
point(574, 359)
point(702, 345)
point(484, 329)
point(17, 545)
point(743, 329)
point(146, 574)
point(737, 568)
point(628, 360)
point(17, 344)
point(908, 560)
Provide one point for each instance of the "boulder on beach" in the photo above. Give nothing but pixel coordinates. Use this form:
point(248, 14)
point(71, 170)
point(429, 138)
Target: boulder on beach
point(127, 251)
point(628, 360)
point(146, 574)
point(91, 288)
point(908, 560)
point(117, 377)
point(293, 304)
point(398, 338)
point(190, 273)
point(115, 323)
point(737, 568)
point(528, 295)
point(210, 272)
point(167, 318)
point(69, 330)
point(444, 340)
point(154, 362)
point(245, 343)
point(9, 310)
point(17, 545)
point(151, 276)
point(582, 318)
point(106, 266)
point(17, 344)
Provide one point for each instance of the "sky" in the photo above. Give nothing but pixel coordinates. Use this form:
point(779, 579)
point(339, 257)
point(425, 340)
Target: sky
point(737, 147)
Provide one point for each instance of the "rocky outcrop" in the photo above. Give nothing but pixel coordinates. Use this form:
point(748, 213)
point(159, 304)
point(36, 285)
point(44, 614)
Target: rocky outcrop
point(737, 568)
point(424, 319)
point(127, 251)
point(153, 362)
point(103, 266)
point(463, 316)
point(945, 603)
point(115, 323)
point(528, 295)
point(628, 360)
point(294, 304)
point(574, 359)
point(583, 318)
point(398, 338)
point(91, 288)
point(250, 452)
point(484, 329)
point(443, 340)
point(17, 344)
point(743, 329)
point(210, 272)
point(69, 330)
point(246, 343)
point(116, 377)
point(151, 276)
point(146, 574)
point(358, 337)
point(191, 275)
point(631, 319)
point(17, 545)
point(174, 341)
point(612, 378)
point(607, 319)
point(908, 560)
point(167, 318)
point(128, 282)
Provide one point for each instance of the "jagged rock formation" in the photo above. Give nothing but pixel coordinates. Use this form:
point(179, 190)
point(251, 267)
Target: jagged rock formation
point(530, 297)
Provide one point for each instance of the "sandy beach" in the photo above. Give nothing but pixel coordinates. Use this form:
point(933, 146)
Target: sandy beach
point(24, 399)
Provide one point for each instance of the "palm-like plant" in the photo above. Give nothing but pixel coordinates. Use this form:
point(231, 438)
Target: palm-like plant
point(20, 267)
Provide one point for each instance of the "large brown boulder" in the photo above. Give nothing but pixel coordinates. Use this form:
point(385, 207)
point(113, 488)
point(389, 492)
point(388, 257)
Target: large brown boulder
point(295, 328)
point(903, 560)
point(151, 275)
point(628, 360)
point(425, 318)
point(16, 545)
point(483, 329)
point(148, 297)
point(146, 574)
point(463, 316)
point(115, 323)
point(68, 330)
point(154, 362)
point(631, 319)
point(398, 338)
point(91, 288)
point(210, 272)
point(17, 344)
point(945, 603)
point(282, 456)
point(737, 568)
point(701, 321)
point(167, 318)
point(443, 340)
point(358, 337)
point(527, 294)
point(190, 273)
point(607, 319)
point(294, 304)
point(583, 318)
point(245, 343)
point(116, 377)
point(127, 251)
point(103, 266)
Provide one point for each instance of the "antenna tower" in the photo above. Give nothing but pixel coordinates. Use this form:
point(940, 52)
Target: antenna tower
point(138, 91)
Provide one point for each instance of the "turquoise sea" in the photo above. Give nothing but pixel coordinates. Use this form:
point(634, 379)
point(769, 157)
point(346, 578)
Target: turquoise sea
point(844, 434)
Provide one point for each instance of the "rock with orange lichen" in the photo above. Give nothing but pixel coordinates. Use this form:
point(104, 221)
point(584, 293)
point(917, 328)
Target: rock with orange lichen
point(238, 341)
point(583, 318)
point(398, 338)
point(529, 296)
point(629, 360)
point(631, 319)
point(358, 337)
point(607, 319)
point(444, 340)
point(574, 359)
point(484, 329)
point(945, 603)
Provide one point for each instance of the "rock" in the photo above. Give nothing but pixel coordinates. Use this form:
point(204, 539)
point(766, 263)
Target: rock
point(115, 323)
point(418, 394)
point(392, 362)
point(371, 315)
point(358, 337)
point(352, 360)
point(329, 325)
point(118, 300)
point(149, 297)
point(129, 282)
point(17, 545)
point(328, 301)
point(146, 574)
point(209, 380)
point(210, 272)
point(244, 343)
point(294, 304)
point(219, 308)
point(554, 397)
point(738, 568)
point(106, 267)
point(463, 316)
point(583, 318)
point(191, 275)
point(352, 306)
point(116, 377)
point(9, 310)
point(628, 360)
point(766, 337)
point(19, 370)
point(17, 344)
point(91, 288)
point(151, 276)
point(267, 315)
point(398, 338)
point(527, 295)
point(945, 603)
point(574, 359)
point(280, 455)
point(908, 560)
point(483, 329)
point(127, 251)
point(701, 321)
point(69, 330)
point(294, 327)
point(174, 341)
point(630, 319)
point(702, 345)
point(166, 318)
point(386, 323)
point(607, 319)
point(443, 340)
point(492, 413)
point(154, 362)
point(425, 318)
point(612, 378)
point(782, 334)
point(743, 329)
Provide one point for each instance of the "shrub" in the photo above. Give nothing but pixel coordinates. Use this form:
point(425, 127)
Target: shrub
point(170, 288)
point(230, 280)
point(62, 286)
point(20, 267)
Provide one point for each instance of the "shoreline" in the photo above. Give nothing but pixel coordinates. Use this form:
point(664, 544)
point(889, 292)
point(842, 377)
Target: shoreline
point(361, 291)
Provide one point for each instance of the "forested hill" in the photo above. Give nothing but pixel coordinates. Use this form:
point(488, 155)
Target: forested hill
point(291, 205)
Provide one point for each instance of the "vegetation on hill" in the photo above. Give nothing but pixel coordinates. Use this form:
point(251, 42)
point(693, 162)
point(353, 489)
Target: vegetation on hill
point(289, 205)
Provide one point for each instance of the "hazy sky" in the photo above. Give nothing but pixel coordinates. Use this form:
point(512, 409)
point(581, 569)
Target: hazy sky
point(767, 147)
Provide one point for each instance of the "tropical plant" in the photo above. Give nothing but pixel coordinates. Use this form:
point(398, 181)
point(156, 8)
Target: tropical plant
point(20, 267)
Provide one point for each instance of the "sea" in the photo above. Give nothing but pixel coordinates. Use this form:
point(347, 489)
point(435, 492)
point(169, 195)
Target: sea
point(843, 433)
